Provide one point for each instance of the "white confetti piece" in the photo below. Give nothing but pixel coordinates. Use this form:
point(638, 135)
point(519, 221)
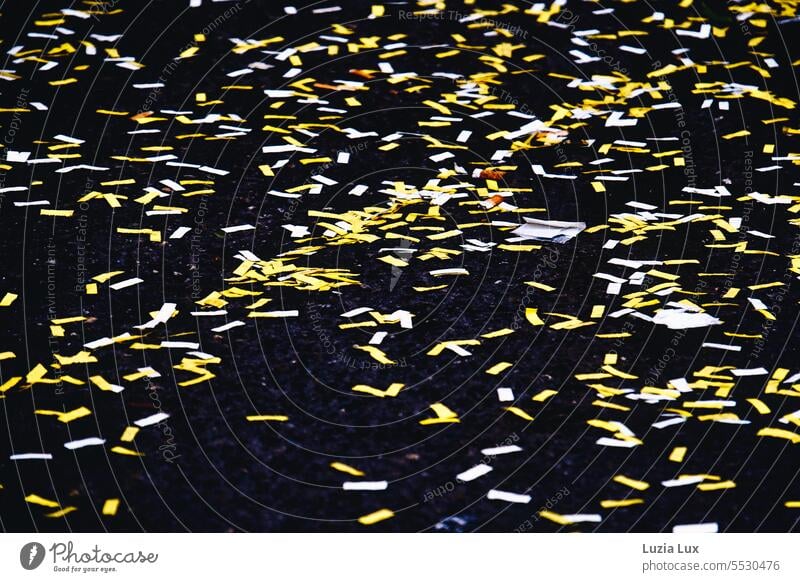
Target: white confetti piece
point(365, 485)
point(695, 528)
point(474, 472)
point(502, 450)
point(31, 457)
point(151, 420)
point(87, 442)
point(496, 495)
point(239, 228)
point(126, 283)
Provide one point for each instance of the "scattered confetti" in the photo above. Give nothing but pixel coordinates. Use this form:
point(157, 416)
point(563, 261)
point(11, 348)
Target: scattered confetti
point(360, 258)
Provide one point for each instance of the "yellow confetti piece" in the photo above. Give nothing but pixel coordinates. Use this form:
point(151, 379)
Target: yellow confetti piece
point(37, 500)
point(766, 285)
point(632, 483)
point(75, 414)
point(618, 373)
point(357, 325)
point(394, 261)
point(129, 434)
point(779, 433)
point(376, 353)
point(10, 383)
point(519, 412)
point(376, 516)
point(392, 391)
point(531, 314)
point(102, 383)
point(716, 486)
point(124, 182)
point(541, 286)
point(441, 346)
point(592, 376)
point(498, 333)
point(8, 299)
point(518, 248)
point(125, 451)
point(759, 406)
point(154, 235)
point(498, 368)
point(343, 468)
point(37, 375)
point(62, 512)
point(555, 517)
point(427, 289)
point(267, 418)
point(189, 52)
point(544, 395)
point(602, 404)
point(597, 311)
point(110, 506)
point(677, 454)
point(103, 277)
point(613, 503)
point(307, 161)
point(446, 54)
point(741, 133)
point(724, 417)
point(443, 415)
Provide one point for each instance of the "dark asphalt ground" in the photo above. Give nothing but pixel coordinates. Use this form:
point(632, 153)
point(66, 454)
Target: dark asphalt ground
point(207, 468)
